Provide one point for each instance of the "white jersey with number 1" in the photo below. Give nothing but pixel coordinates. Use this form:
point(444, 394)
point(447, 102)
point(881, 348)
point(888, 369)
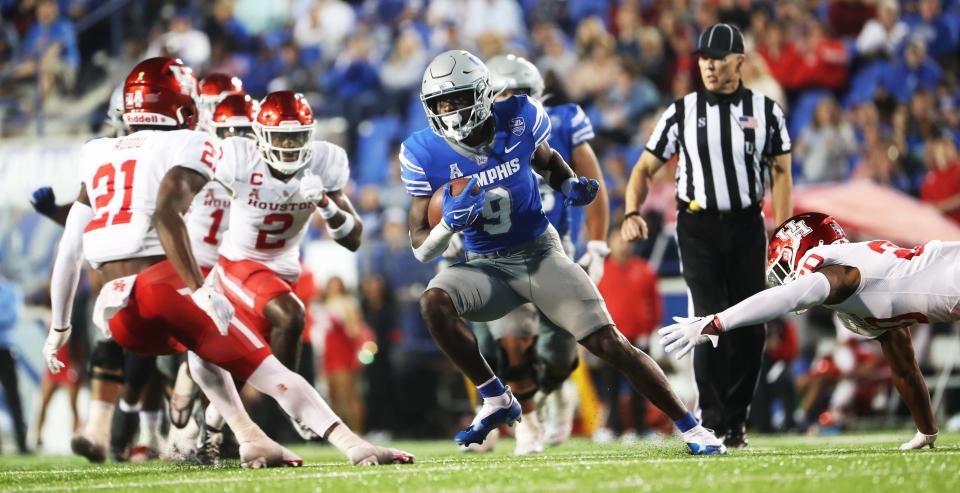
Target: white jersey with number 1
point(268, 217)
point(207, 221)
point(898, 286)
point(122, 177)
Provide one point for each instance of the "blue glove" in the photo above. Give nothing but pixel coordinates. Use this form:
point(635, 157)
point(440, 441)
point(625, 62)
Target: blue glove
point(460, 211)
point(44, 201)
point(580, 191)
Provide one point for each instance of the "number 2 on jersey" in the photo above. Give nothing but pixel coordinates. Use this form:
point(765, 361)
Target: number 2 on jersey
point(284, 221)
point(102, 202)
point(881, 246)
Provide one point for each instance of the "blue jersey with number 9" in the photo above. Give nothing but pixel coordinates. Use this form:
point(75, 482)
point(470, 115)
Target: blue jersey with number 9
point(512, 211)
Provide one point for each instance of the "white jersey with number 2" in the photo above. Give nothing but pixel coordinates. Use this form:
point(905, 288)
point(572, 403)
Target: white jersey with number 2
point(268, 216)
point(898, 286)
point(122, 177)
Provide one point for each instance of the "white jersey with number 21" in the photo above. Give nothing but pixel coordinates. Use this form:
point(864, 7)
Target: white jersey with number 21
point(898, 286)
point(122, 177)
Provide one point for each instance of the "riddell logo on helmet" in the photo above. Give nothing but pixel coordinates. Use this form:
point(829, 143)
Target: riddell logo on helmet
point(147, 119)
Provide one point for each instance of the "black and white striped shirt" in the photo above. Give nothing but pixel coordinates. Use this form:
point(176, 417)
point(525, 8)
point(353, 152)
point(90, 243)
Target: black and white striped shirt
point(723, 141)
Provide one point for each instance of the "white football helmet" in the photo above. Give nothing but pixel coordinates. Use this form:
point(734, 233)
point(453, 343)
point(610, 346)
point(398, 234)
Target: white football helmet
point(511, 72)
point(451, 72)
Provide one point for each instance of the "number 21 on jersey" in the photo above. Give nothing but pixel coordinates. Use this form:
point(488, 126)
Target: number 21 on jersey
point(106, 177)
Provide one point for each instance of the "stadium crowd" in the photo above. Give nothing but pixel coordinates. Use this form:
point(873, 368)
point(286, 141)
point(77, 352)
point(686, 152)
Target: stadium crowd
point(870, 88)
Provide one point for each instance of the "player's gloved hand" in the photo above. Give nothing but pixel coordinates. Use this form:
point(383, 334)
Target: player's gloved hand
point(579, 191)
point(56, 338)
point(216, 306)
point(689, 332)
point(919, 441)
point(311, 187)
point(454, 248)
point(460, 211)
point(592, 260)
point(44, 201)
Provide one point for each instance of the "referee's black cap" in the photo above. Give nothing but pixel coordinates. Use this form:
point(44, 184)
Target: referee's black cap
point(720, 40)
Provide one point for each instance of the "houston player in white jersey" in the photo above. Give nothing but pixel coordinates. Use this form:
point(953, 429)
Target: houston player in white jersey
point(155, 300)
point(279, 181)
point(206, 222)
point(878, 290)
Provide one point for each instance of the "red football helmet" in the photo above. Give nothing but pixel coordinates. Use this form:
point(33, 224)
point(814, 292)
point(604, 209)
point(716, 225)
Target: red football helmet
point(284, 129)
point(162, 92)
point(792, 240)
point(234, 116)
point(213, 88)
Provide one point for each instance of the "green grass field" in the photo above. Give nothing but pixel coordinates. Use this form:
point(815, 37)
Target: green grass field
point(847, 463)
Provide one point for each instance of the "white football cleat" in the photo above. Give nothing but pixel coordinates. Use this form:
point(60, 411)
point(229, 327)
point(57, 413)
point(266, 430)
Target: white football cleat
point(529, 435)
point(208, 446)
point(702, 441)
point(181, 443)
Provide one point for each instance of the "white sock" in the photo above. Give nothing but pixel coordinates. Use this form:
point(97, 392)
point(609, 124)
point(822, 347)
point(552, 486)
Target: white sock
point(150, 428)
point(128, 408)
point(218, 386)
point(343, 438)
point(98, 424)
point(297, 397)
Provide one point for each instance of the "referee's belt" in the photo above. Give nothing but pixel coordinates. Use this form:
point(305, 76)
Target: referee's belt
point(693, 207)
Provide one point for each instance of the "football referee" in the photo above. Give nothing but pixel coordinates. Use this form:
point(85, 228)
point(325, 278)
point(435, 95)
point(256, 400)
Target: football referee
point(729, 139)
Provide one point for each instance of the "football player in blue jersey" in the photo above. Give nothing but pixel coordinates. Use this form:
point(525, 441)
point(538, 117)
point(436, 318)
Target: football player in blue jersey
point(514, 254)
point(534, 355)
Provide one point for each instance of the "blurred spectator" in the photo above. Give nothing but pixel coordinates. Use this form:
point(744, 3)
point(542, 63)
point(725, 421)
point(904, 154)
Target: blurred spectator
point(914, 71)
point(325, 27)
point(403, 70)
point(50, 50)
point(629, 287)
point(260, 17)
point(781, 56)
point(9, 46)
point(597, 71)
point(341, 367)
point(557, 58)
point(932, 28)
point(294, 74)
point(627, 99)
point(941, 185)
point(826, 146)
point(11, 304)
point(502, 17)
point(883, 34)
point(224, 26)
point(182, 41)
point(757, 76)
point(379, 310)
point(847, 17)
point(823, 60)
point(68, 379)
point(775, 401)
point(879, 162)
point(353, 83)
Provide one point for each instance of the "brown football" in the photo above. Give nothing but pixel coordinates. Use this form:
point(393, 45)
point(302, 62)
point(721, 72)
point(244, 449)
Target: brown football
point(435, 209)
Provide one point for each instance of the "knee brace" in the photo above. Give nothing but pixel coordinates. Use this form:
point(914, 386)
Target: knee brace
point(550, 376)
point(523, 370)
point(106, 361)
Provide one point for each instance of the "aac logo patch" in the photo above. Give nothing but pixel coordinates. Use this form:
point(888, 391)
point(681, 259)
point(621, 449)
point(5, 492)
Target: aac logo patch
point(455, 171)
point(517, 126)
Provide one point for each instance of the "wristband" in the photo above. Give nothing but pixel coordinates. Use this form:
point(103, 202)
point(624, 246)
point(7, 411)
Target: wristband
point(630, 214)
point(344, 229)
point(329, 209)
